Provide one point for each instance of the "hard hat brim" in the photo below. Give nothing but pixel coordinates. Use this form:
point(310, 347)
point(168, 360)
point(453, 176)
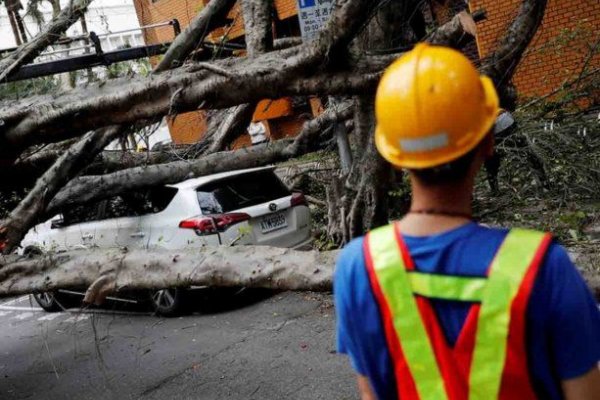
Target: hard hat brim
point(393, 153)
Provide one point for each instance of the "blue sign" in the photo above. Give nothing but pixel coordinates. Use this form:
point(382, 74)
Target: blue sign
point(307, 3)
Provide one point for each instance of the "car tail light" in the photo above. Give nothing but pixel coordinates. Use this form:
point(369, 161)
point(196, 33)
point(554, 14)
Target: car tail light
point(209, 224)
point(298, 199)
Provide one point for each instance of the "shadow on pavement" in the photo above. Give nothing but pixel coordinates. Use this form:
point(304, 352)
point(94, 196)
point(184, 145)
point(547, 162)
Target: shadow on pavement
point(207, 301)
point(216, 301)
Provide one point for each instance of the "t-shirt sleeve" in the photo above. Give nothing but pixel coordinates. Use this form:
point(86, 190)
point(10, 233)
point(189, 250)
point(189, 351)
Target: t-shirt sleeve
point(345, 280)
point(574, 317)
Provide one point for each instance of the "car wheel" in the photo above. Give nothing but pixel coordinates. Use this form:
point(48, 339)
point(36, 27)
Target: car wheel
point(49, 301)
point(167, 302)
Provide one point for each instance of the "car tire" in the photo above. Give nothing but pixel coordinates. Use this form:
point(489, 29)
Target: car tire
point(167, 302)
point(50, 301)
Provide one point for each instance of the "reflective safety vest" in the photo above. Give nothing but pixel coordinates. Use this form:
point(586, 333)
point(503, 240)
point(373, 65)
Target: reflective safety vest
point(489, 358)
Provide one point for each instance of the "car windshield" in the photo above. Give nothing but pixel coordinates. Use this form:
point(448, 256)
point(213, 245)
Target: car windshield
point(240, 191)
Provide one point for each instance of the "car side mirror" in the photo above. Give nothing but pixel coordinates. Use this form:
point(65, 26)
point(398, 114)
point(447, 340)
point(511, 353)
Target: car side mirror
point(57, 223)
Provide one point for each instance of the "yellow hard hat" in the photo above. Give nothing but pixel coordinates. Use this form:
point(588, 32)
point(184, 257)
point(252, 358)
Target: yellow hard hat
point(432, 107)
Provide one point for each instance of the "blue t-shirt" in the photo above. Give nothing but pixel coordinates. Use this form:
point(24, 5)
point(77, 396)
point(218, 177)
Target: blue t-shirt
point(563, 319)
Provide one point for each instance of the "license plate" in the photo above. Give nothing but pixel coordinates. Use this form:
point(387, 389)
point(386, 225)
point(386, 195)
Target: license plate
point(273, 222)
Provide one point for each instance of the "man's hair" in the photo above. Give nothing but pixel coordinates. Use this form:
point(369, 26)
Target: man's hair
point(452, 172)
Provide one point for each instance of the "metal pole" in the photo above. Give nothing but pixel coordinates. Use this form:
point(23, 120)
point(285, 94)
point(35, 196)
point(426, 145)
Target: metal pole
point(341, 136)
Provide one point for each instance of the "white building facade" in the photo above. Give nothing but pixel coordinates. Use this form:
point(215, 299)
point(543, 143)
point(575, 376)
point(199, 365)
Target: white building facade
point(114, 21)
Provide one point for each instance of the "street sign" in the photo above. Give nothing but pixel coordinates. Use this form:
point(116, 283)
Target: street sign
point(313, 15)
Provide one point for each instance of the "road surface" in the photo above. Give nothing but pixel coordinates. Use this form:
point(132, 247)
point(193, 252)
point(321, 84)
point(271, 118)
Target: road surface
point(256, 346)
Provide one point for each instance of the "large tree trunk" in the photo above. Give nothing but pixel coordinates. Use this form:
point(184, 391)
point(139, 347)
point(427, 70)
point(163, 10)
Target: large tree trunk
point(104, 272)
point(107, 272)
point(358, 198)
point(216, 85)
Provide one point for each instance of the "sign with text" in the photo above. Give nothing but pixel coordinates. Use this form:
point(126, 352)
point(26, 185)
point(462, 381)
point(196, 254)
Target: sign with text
point(313, 15)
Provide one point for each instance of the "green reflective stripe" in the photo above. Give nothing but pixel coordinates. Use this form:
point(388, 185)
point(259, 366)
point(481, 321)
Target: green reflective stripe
point(506, 275)
point(445, 287)
point(414, 340)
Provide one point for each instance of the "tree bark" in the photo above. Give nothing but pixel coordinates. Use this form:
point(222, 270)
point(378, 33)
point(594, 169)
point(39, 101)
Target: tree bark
point(27, 52)
point(257, 26)
point(83, 110)
point(114, 270)
point(110, 271)
point(208, 19)
point(358, 198)
point(233, 126)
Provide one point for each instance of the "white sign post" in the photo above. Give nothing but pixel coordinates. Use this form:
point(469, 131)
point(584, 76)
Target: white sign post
point(313, 15)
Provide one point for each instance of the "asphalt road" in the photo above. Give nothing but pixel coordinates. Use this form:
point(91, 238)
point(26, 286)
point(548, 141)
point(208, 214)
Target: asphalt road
point(255, 346)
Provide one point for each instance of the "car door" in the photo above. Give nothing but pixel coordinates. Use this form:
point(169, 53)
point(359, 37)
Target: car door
point(78, 227)
point(120, 224)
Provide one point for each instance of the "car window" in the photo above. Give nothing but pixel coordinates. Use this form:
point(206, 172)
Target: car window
point(240, 191)
point(158, 199)
point(80, 213)
point(138, 203)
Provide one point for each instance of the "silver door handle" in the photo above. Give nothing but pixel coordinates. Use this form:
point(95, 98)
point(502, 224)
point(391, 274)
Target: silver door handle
point(137, 235)
point(87, 236)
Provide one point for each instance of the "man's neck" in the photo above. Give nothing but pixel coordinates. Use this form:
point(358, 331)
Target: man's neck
point(438, 208)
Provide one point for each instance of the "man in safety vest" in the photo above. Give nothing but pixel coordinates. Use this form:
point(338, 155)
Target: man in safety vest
point(436, 306)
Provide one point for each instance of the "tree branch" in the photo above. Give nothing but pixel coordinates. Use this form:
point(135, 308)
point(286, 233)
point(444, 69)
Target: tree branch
point(262, 77)
point(86, 188)
point(233, 126)
point(27, 213)
point(29, 51)
point(83, 110)
point(208, 19)
point(259, 40)
point(502, 63)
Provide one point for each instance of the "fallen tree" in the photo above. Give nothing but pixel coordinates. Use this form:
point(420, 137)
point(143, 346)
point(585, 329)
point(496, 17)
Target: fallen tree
point(105, 272)
point(341, 66)
point(114, 271)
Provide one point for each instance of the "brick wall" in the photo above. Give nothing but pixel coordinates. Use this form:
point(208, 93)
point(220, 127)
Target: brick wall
point(155, 11)
point(284, 8)
point(559, 49)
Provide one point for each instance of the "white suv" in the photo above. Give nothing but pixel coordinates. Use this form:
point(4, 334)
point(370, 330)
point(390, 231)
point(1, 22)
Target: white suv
point(246, 207)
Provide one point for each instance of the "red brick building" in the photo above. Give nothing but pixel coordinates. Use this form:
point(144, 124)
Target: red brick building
point(557, 54)
point(558, 51)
